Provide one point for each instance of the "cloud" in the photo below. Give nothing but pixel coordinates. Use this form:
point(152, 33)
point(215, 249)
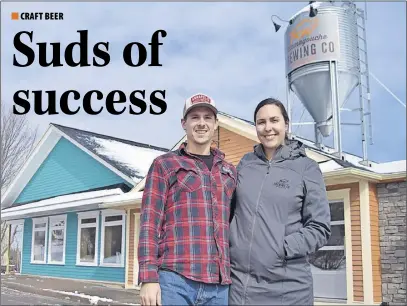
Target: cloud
point(228, 50)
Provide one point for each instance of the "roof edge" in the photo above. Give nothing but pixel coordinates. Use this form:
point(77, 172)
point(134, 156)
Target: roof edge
point(365, 174)
point(135, 143)
point(35, 210)
point(96, 157)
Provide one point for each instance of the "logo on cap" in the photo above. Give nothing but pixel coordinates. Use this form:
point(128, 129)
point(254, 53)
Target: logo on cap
point(200, 99)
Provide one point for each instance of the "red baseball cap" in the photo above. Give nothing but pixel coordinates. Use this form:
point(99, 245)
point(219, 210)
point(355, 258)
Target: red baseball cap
point(199, 100)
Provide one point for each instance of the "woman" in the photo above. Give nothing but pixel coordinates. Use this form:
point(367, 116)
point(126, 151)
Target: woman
point(280, 215)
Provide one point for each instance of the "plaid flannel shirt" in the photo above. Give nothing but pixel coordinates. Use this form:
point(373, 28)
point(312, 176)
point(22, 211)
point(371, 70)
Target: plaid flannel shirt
point(184, 224)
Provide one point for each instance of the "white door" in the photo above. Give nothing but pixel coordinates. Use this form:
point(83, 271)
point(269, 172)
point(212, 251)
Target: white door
point(328, 265)
point(16, 247)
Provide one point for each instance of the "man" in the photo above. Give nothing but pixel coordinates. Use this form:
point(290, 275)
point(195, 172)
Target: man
point(183, 248)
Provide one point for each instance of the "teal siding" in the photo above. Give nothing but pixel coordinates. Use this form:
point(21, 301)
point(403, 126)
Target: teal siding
point(70, 269)
point(67, 169)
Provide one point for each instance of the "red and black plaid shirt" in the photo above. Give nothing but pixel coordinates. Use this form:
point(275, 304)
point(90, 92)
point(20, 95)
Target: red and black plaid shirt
point(184, 223)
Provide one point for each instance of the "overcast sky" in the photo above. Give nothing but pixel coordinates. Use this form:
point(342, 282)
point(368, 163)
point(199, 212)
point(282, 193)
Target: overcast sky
point(227, 50)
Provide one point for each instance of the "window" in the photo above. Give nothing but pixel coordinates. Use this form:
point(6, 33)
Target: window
point(113, 235)
point(39, 240)
point(112, 238)
point(88, 232)
point(57, 239)
point(329, 263)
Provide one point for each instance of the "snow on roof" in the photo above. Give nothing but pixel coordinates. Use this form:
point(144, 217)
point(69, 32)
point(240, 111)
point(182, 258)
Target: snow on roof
point(329, 166)
point(126, 197)
point(72, 202)
point(382, 168)
point(350, 160)
point(138, 159)
point(129, 157)
point(67, 199)
point(390, 167)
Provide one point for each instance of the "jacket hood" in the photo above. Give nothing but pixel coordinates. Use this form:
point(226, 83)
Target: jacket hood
point(292, 149)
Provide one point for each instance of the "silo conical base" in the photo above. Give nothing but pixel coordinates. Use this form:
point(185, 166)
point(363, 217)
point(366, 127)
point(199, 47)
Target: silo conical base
point(325, 128)
point(312, 85)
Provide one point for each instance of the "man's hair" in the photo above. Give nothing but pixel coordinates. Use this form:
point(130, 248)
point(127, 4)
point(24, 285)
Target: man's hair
point(272, 101)
point(185, 117)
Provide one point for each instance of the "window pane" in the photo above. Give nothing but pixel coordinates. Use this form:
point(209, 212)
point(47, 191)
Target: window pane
point(88, 244)
point(58, 223)
point(88, 220)
point(329, 274)
point(40, 225)
point(113, 244)
point(337, 211)
point(328, 260)
point(39, 245)
point(57, 245)
point(113, 218)
point(337, 236)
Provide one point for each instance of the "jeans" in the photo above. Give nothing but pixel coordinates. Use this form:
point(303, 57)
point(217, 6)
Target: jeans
point(178, 290)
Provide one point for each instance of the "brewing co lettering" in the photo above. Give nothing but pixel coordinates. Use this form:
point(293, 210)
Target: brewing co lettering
point(310, 40)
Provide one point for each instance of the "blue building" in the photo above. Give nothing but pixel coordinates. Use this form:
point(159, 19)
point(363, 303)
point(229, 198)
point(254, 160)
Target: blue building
point(57, 197)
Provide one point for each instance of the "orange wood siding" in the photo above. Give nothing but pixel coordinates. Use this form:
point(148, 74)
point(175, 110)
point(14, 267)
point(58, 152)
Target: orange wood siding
point(233, 145)
point(357, 266)
point(375, 242)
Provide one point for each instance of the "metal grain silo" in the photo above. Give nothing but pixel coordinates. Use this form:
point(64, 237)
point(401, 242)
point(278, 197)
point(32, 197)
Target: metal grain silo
point(322, 61)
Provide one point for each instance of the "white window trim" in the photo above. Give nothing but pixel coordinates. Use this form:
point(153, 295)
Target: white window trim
point(107, 213)
point(339, 222)
point(86, 215)
point(344, 195)
point(36, 221)
point(332, 248)
point(335, 247)
point(50, 229)
point(19, 222)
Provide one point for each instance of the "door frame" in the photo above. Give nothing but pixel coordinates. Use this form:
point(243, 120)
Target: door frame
point(18, 223)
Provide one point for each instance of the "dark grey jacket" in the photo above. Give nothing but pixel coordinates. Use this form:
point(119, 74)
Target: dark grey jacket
point(280, 215)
